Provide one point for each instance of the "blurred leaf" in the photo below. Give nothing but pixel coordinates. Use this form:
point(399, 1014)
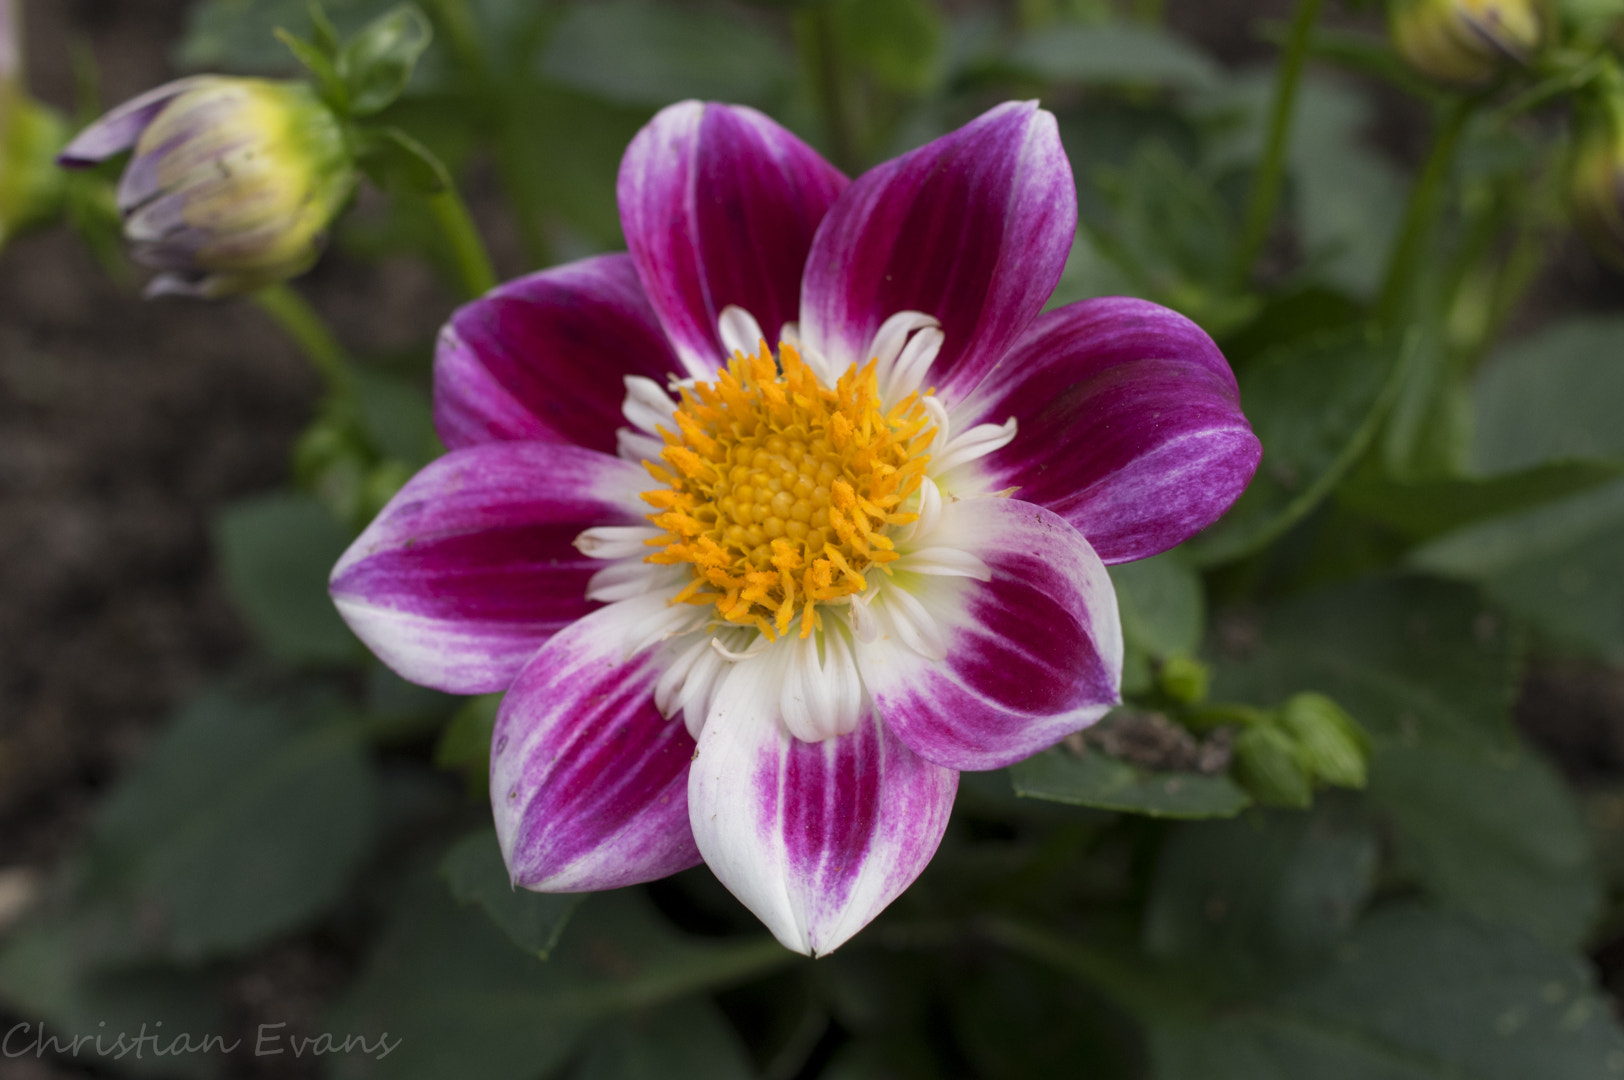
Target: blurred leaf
point(377, 63)
point(248, 817)
point(1162, 602)
point(1293, 316)
point(1315, 405)
point(465, 744)
point(1552, 396)
point(395, 161)
point(899, 40)
point(687, 1040)
point(1425, 508)
point(642, 52)
point(1556, 565)
point(1059, 775)
point(1495, 835)
point(1264, 890)
point(475, 871)
point(1410, 996)
point(276, 552)
point(1017, 1021)
point(1411, 659)
point(905, 1056)
point(399, 417)
point(458, 991)
point(1128, 53)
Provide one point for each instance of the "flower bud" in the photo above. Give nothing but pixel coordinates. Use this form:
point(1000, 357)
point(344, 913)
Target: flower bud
point(1184, 679)
point(1270, 765)
point(30, 135)
point(232, 183)
point(1333, 745)
point(1465, 42)
point(1596, 179)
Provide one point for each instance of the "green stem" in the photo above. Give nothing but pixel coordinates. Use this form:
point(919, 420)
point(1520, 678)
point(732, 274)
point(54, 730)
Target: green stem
point(1421, 212)
point(816, 31)
point(1271, 171)
point(468, 255)
point(310, 332)
point(458, 23)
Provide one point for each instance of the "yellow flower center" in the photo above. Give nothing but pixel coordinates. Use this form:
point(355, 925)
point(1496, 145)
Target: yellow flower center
point(780, 491)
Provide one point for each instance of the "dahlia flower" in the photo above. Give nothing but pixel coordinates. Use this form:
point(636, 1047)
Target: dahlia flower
point(773, 525)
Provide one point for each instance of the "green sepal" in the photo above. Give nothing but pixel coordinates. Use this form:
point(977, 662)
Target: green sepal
point(397, 162)
point(320, 65)
point(376, 64)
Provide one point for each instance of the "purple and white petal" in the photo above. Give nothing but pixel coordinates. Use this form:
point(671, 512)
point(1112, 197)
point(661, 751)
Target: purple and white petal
point(589, 783)
point(1129, 425)
point(972, 229)
point(719, 205)
point(977, 674)
point(472, 565)
point(814, 838)
point(119, 129)
point(546, 357)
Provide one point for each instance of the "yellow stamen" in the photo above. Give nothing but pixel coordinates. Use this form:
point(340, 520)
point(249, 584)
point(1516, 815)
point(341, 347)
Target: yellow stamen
point(779, 490)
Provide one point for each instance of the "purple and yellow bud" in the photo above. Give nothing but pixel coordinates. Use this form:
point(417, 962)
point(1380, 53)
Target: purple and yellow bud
point(1596, 178)
point(30, 135)
point(232, 183)
point(1465, 42)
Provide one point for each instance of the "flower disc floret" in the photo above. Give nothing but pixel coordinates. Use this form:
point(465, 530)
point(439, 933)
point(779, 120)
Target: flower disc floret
point(780, 491)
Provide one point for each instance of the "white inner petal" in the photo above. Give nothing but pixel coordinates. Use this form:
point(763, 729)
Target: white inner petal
point(627, 578)
point(648, 406)
point(740, 332)
point(617, 541)
point(636, 447)
point(821, 693)
point(978, 442)
point(944, 562)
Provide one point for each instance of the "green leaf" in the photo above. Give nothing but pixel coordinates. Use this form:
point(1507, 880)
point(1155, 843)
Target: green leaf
point(465, 744)
point(320, 66)
point(249, 817)
point(377, 63)
point(456, 990)
point(1315, 406)
point(686, 1040)
point(899, 40)
point(395, 161)
point(1410, 659)
point(398, 417)
point(1410, 996)
point(1162, 602)
point(276, 552)
point(646, 53)
point(239, 35)
point(1262, 891)
point(1118, 53)
point(1555, 565)
point(1551, 397)
point(475, 871)
point(1494, 835)
point(1059, 775)
point(1426, 508)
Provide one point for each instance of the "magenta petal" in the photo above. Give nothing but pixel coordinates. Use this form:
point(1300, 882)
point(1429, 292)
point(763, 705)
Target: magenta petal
point(589, 783)
point(1129, 425)
point(973, 229)
point(472, 565)
point(719, 205)
point(119, 129)
point(545, 357)
point(814, 838)
point(1031, 656)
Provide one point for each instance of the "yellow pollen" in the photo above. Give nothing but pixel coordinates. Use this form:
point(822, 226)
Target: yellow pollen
point(780, 492)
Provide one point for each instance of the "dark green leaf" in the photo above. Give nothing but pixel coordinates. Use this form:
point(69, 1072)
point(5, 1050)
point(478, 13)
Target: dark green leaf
point(465, 745)
point(1410, 659)
point(475, 871)
point(276, 552)
point(1162, 602)
point(1059, 775)
point(899, 40)
point(1315, 406)
point(1410, 996)
point(640, 52)
point(1550, 397)
point(456, 990)
point(1118, 53)
point(398, 418)
point(1426, 508)
point(1017, 1021)
point(1266, 889)
point(377, 63)
point(1556, 565)
point(686, 1040)
point(1495, 835)
point(248, 817)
